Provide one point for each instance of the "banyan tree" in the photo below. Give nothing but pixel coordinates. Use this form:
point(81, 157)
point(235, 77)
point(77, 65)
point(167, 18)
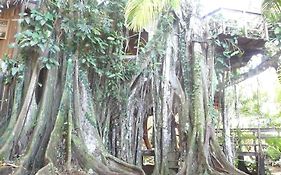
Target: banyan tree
point(72, 103)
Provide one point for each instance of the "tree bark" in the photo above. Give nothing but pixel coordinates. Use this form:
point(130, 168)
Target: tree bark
point(75, 125)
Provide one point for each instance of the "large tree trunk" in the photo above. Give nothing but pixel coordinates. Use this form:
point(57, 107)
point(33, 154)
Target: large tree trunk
point(72, 125)
point(53, 129)
point(227, 147)
point(57, 143)
point(203, 154)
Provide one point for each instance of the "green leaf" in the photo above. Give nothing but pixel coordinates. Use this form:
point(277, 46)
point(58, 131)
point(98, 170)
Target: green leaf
point(14, 71)
point(57, 49)
point(42, 22)
point(277, 30)
point(110, 38)
point(38, 18)
point(48, 66)
point(27, 20)
point(42, 47)
point(56, 63)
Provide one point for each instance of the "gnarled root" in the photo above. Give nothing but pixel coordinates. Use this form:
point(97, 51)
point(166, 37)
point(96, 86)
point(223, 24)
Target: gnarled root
point(207, 158)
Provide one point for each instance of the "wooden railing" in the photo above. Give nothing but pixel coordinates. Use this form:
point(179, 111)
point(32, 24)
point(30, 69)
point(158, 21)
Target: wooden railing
point(251, 139)
point(255, 147)
point(242, 23)
point(251, 142)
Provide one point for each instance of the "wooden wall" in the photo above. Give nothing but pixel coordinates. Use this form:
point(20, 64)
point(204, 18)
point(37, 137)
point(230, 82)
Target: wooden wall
point(12, 14)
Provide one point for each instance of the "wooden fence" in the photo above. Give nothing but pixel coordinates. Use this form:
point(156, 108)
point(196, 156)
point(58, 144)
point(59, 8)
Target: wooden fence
point(243, 23)
point(252, 142)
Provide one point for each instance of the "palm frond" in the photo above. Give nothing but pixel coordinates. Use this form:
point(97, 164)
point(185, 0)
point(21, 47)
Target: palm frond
point(140, 13)
point(272, 9)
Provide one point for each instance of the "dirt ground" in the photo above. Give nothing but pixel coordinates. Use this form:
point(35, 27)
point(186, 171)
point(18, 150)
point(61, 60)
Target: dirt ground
point(275, 170)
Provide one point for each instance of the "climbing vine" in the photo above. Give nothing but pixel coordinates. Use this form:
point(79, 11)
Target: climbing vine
point(11, 68)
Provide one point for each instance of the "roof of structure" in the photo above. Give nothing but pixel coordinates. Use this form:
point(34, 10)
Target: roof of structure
point(248, 28)
point(5, 4)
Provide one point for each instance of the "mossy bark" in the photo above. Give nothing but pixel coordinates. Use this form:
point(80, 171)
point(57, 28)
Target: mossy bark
point(202, 154)
point(57, 143)
point(68, 129)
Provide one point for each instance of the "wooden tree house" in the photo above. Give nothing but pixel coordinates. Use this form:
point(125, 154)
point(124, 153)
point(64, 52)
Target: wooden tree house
point(249, 28)
point(249, 32)
point(9, 22)
point(8, 28)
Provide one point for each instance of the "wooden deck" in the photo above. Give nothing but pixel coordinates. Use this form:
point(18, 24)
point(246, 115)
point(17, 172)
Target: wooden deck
point(249, 47)
point(11, 14)
point(237, 22)
point(250, 29)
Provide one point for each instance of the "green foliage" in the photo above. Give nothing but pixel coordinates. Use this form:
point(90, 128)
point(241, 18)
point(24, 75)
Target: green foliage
point(229, 45)
point(49, 62)
point(274, 148)
point(141, 13)
point(252, 106)
point(244, 137)
point(230, 49)
point(277, 31)
point(272, 10)
point(90, 31)
point(11, 68)
point(39, 35)
point(274, 43)
point(99, 38)
point(273, 153)
point(39, 32)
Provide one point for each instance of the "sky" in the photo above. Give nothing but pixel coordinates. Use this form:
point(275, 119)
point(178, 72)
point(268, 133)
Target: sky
point(248, 5)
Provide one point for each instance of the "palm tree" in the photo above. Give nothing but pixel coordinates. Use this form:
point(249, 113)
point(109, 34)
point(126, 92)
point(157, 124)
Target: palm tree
point(141, 13)
point(272, 9)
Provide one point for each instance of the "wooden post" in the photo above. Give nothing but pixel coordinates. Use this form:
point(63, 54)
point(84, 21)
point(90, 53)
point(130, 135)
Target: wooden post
point(261, 167)
point(266, 30)
point(223, 27)
point(245, 24)
point(246, 30)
